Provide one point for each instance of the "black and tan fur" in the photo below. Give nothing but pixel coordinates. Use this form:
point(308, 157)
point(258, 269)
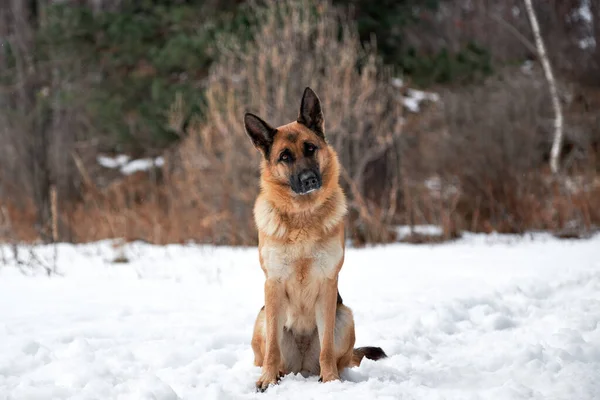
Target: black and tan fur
point(304, 327)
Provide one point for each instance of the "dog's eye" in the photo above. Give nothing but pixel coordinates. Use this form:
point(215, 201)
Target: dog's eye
point(309, 149)
point(285, 156)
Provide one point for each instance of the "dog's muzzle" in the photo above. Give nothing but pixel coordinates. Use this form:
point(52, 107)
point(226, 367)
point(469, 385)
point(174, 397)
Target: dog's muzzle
point(307, 181)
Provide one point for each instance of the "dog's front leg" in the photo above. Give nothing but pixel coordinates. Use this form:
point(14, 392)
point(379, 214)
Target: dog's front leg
point(325, 312)
point(274, 290)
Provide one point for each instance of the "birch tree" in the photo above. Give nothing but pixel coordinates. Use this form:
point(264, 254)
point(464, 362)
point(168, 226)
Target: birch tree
point(558, 116)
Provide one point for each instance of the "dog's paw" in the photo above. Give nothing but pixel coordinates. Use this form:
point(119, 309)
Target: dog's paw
point(267, 379)
point(328, 377)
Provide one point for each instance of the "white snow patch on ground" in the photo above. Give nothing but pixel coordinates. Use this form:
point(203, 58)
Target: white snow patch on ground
point(127, 167)
point(583, 15)
point(527, 67)
point(584, 12)
point(588, 42)
point(427, 230)
point(113, 162)
point(485, 317)
point(397, 83)
point(143, 164)
point(414, 98)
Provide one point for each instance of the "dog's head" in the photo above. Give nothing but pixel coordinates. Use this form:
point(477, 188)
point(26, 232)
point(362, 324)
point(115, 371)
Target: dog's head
point(296, 155)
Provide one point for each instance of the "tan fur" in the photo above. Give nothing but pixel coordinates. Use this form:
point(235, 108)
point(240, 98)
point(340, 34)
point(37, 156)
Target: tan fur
point(302, 328)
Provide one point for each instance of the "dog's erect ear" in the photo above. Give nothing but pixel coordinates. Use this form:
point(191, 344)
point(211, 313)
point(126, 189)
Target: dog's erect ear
point(260, 132)
point(311, 114)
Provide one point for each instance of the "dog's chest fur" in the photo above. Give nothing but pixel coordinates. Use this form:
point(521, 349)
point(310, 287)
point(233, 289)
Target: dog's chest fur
point(302, 267)
point(303, 261)
point(302, 252)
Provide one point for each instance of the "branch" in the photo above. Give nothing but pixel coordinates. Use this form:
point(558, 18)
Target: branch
point(515, 32)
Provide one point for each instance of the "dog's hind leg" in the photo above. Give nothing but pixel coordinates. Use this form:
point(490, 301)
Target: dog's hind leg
point(343, 343)
point(344, 337)
point(259, 339)
point(347, 355)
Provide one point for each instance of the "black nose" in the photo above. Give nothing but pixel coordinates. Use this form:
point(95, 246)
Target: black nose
point(309, 181)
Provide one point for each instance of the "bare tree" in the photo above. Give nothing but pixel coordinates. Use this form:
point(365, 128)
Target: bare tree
point(595, 11)
point(24, 130)
point(558, 116)
point(39, 121)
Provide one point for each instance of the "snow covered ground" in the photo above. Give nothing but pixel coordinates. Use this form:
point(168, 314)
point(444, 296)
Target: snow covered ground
point(486, 317)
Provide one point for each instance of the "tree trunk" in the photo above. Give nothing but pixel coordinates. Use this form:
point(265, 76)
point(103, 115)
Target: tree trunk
point(595, 9)
point(32, 103)
point(558, 116)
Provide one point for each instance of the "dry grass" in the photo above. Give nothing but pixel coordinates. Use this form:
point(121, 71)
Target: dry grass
point(17, 222)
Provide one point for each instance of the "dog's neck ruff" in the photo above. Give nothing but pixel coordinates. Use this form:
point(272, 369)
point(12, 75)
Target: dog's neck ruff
point(280, 224)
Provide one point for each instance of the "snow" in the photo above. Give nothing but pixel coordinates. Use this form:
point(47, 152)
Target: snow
point(142, 164)
point(414, 98)
point(484, 317)
point(113, 162)
point(583, 16)
point(584, 12)
point(588, 42)
point(427, 230)
point(411, 104)
point(527, 67)
point(398, 83)
point(439, 188)
point(127, 167)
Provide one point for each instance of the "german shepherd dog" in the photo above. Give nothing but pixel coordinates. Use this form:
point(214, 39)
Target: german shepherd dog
point(303, 327)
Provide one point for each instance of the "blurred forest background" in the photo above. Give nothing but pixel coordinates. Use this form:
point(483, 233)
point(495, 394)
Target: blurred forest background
point(124, 118)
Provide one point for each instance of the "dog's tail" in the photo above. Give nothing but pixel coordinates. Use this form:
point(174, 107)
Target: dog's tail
point(372, 353)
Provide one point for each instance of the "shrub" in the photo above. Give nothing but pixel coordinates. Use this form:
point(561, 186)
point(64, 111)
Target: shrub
point(298, 44)
point(483, 160)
